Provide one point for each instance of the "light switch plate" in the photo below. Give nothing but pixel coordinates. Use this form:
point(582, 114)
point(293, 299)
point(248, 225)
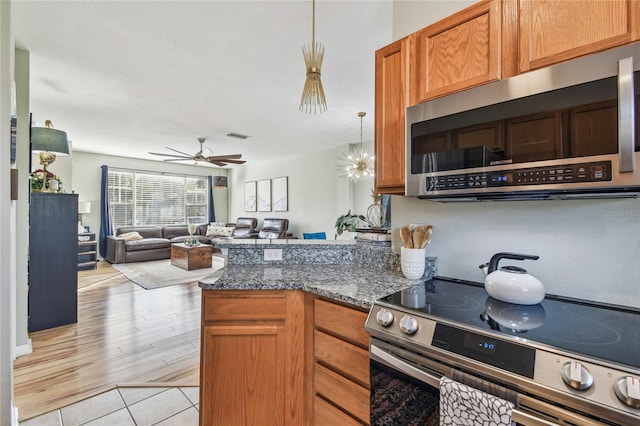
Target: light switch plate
point(272, 254)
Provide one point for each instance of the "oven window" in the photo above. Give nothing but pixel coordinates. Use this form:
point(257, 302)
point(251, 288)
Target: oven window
point(397, 399)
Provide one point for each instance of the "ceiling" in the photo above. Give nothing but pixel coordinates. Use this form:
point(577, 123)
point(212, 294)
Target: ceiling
point(127, 77)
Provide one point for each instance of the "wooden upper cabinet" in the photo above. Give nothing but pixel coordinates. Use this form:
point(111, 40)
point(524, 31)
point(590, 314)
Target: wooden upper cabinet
point(552, 31)
point(391, 68)
point(459, 52)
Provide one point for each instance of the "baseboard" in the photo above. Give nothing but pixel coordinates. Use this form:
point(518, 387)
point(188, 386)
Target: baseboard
point(25, 349)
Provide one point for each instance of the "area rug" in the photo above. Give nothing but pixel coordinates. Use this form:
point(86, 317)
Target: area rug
point(161, 273)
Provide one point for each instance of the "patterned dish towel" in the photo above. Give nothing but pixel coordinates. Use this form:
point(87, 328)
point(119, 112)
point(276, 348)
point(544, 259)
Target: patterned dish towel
point(464, 405)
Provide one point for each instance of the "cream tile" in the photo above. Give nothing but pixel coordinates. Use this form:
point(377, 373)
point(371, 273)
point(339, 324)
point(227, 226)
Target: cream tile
point(159, 407)
point(119, 418)
point(92, 408)
point(52, 418)
point(133, 395)
point(187, 417)
point(193, 393)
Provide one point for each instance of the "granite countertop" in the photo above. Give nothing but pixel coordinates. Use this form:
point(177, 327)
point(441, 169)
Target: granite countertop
point(350, 284)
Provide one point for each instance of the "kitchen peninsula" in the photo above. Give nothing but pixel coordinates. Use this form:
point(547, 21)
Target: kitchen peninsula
point(283, 341)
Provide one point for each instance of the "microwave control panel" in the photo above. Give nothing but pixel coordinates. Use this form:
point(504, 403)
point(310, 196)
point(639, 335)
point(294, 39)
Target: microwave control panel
point(569, 173)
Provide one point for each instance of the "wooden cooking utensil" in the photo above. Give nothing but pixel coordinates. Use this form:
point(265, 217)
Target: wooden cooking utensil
point(405, 234)
point(427, 236)
point(418, 237)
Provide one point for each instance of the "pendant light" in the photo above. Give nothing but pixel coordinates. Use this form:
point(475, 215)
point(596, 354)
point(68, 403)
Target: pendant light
point(313, 99)
point(358, 165)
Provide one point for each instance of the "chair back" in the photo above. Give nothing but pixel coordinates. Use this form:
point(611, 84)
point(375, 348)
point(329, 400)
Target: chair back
point(274, 228)
point(245, 226)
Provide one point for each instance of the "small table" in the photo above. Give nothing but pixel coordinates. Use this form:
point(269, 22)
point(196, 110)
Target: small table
point(189, 258)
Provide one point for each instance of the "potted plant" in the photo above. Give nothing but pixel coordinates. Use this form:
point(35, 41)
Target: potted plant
point(347, 223)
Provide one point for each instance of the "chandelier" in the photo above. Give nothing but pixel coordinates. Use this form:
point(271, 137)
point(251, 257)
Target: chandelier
point(313, 94)
point(358, 164)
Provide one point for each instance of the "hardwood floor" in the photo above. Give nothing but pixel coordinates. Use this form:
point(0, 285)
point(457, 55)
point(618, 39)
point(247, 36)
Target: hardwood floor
point(125, 336)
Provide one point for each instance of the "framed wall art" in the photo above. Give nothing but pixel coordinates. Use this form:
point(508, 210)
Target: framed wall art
point(250, 196)
point(280, 194)
point(264, 195)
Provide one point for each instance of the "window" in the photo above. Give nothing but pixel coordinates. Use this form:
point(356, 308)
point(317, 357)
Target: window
point(144, 198)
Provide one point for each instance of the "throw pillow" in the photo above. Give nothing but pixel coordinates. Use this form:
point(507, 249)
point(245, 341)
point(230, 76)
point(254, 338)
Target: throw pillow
point(218, 224)
point(130, 236)
point(224, 231)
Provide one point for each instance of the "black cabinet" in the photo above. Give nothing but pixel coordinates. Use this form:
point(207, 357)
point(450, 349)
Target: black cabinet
point(87, 251)
point(53, 260)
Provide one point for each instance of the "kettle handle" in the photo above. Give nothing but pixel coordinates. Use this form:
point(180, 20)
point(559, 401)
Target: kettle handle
point(493, 263)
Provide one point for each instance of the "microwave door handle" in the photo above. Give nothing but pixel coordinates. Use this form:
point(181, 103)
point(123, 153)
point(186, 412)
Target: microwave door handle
point(626, 115)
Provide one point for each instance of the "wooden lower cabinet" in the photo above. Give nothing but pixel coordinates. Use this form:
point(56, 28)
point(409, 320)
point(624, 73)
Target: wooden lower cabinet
point(252, 358)
point(341, 367)
point(282, 357)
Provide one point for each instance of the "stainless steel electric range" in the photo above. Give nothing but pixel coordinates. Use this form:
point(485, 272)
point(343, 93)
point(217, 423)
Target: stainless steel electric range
point(561, 361)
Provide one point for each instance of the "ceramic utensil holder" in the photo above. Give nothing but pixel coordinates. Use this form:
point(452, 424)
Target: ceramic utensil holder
point(412, 261)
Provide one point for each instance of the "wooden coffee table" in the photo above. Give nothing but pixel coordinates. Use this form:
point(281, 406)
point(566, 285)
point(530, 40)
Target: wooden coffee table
point(189, 258)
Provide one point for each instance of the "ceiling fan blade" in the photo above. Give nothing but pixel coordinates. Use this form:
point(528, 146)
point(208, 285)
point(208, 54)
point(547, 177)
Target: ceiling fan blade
point(232, 161)
point(222, 157)
point(180, 152)
point(178, 159)
point(168, 155)
point(217, 163)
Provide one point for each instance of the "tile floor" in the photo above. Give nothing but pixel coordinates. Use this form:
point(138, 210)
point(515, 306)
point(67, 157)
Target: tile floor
point(128, 407)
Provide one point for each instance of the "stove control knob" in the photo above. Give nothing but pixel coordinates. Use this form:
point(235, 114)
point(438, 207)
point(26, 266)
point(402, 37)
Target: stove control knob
point(408, 325)
point(627, 390)
point(576, 375)
point(384, 317)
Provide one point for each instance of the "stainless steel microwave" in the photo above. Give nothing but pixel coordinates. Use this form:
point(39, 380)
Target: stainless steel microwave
point(565, 131)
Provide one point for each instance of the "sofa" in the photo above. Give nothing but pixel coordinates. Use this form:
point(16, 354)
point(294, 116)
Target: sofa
point(150, 242)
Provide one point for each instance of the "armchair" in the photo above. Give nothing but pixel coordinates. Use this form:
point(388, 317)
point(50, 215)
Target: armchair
point(274, 228)
point(245, 228)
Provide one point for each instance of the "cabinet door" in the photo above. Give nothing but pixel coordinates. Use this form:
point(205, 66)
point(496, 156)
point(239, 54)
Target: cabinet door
point(552, 31)
point(391, 100)
point(456, 53)
point(243, 375)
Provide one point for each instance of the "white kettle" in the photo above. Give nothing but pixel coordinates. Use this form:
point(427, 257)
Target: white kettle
point(512, 284)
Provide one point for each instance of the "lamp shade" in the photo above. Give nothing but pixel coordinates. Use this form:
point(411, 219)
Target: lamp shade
point(84, 207)
point(219, 181)
point(44, 139)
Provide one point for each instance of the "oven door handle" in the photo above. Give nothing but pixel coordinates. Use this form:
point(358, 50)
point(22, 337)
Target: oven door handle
point(388, 359)
point(379, 355)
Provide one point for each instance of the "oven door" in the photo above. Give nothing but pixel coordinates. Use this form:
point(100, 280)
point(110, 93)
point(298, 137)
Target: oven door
point(405, 391)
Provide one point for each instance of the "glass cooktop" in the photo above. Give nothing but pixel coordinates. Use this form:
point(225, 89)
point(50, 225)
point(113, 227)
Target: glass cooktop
point(608, 332)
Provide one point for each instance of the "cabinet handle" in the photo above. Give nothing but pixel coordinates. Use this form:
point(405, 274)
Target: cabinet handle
point(626, 115)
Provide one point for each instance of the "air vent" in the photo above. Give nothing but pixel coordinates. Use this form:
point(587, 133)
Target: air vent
point(237, 135)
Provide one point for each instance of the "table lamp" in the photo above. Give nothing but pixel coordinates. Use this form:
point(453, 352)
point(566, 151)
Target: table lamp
point(48, 142)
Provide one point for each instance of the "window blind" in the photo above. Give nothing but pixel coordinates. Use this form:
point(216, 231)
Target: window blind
point(143, 198)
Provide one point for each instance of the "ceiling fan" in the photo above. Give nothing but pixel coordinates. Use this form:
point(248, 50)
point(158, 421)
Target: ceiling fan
point(203, 155)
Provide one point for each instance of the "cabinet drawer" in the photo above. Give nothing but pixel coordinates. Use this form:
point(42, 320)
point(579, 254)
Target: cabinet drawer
point(352, 398)
point(243, 305)
point(342, 322)
point(325, 414)
point(348, 360)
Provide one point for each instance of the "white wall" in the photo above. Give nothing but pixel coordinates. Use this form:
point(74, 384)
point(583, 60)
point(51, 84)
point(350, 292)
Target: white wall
point(7, 217)
point(317, 193)
point(87, 173)
point(587, 249)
